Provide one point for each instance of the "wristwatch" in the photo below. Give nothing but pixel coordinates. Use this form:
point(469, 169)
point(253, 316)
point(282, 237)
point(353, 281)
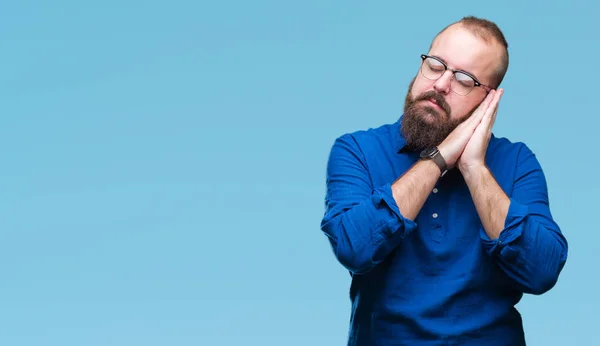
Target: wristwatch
point(433, 153)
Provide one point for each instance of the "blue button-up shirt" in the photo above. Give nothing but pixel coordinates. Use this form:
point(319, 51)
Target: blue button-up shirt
point(438, 279)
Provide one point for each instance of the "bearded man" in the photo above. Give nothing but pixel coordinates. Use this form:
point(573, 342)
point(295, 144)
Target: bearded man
point(442, 225)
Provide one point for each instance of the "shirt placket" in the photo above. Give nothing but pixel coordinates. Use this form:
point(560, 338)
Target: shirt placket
point(437, 230)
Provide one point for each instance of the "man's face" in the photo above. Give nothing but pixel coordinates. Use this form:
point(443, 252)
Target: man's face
point(432, 109)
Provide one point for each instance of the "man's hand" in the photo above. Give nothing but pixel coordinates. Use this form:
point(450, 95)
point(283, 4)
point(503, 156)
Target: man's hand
point(473, 155)
point(453, 146)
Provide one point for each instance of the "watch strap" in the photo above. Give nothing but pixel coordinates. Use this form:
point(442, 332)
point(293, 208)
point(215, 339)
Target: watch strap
point(440, 162)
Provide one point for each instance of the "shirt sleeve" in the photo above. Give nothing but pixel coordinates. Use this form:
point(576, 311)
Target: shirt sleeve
point(362, 222)
point(531, 248)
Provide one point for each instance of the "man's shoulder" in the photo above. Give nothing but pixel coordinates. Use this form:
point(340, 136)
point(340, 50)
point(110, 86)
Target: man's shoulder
point(504, 151)
point(505, 146)
point(385, 134)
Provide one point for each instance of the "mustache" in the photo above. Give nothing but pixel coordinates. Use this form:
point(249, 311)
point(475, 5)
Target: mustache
point(439, 99)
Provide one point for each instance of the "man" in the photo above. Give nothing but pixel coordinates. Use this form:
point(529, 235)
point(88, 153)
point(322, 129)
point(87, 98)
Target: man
point(442, 225)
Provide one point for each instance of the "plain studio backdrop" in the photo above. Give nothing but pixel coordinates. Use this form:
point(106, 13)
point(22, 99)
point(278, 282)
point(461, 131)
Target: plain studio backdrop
point(163, 163)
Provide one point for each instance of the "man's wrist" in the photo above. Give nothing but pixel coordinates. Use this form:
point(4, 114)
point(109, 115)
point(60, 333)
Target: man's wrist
point(444, 152)
point(433, 154)
point(473, 172)
point(440, 161)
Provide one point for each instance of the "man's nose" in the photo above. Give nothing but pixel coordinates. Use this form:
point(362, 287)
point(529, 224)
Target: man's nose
point(442, 85)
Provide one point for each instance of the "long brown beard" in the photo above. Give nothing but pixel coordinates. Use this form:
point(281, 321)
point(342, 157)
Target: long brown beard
point(419, 133)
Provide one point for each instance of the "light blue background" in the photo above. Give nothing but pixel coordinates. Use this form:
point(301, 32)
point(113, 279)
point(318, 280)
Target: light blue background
point(162, 163)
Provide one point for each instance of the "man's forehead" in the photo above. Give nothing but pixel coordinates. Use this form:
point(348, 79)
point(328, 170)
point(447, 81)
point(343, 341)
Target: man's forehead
point(462, 50)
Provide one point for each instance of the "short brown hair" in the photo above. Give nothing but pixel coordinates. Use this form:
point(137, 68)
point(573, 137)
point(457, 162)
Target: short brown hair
point(487, 31)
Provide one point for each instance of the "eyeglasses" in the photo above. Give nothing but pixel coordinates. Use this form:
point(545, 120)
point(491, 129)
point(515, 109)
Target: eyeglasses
point(463, 83)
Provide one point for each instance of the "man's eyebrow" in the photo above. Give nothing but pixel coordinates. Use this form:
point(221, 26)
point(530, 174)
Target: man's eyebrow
point(459, 70)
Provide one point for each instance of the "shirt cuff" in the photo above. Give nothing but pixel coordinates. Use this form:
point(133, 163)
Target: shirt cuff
point(513, 228)
point(397, 224)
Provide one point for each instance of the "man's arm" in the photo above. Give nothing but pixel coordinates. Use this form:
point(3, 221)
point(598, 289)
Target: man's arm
point(489, 198)
point(412, 189)
point(519, 232)
point(364, 223)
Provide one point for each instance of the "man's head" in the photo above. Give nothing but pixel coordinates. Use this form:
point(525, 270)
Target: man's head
point(465, 60)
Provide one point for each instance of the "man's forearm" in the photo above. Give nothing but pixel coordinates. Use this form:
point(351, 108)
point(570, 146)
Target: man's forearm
point(413, 187)
point(490, 200)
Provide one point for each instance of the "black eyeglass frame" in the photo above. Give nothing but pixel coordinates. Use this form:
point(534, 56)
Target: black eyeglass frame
point(477, 83)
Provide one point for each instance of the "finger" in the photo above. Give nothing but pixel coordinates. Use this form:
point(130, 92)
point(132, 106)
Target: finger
point(492, 120)
point(493, 109)
point(480, 112)
point(487, 102)
point(490, 115)
point(486, 122)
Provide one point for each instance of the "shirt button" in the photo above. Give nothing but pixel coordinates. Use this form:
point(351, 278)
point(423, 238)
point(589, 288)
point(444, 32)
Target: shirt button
point(435, 190)
point(435, 215)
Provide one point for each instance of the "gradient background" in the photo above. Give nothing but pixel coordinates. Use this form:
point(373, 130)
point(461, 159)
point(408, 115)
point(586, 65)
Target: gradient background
point(162, 163)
